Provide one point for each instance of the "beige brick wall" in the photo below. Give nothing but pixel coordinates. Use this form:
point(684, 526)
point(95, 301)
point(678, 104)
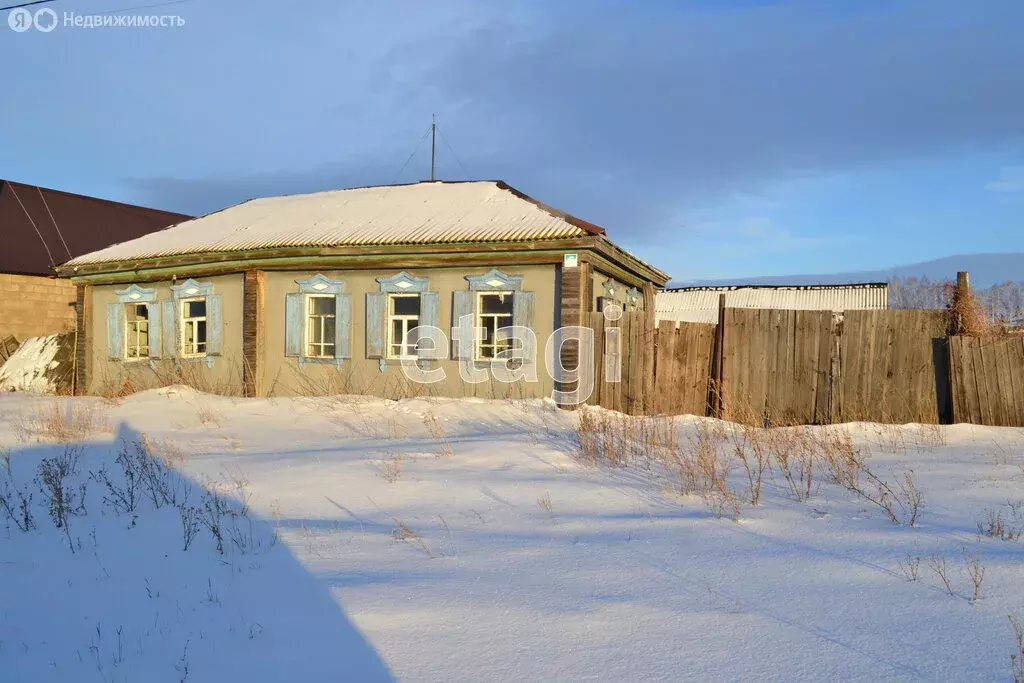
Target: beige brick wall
point(33, 306)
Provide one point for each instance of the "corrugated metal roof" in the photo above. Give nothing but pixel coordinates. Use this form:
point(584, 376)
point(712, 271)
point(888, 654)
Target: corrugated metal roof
point(700, 304)
point(40, 227)
point(422, 213)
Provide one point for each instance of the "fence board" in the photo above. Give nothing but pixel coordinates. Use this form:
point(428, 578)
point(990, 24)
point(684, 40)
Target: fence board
point(682, 369)
point(892, 366)
point(988, 376)
point(776, 365)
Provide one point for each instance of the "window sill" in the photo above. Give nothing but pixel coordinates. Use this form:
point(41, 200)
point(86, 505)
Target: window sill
point(303, 360)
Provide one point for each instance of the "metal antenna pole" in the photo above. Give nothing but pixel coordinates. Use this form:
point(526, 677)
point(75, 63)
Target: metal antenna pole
point(433, 143)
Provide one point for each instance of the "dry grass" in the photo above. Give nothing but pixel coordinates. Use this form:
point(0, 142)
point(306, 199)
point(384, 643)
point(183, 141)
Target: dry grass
point(404, 533)
point(1008, 528)
point(910, 567)
point(391, 469)
point(975, 571)
point(63, 421)
point(544, 503)
point(940, 565)
point(795, 458)
point(1017, 657)
point(968, 316)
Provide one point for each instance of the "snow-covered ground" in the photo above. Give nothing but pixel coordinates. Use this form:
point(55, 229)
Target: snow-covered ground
point(464, 540)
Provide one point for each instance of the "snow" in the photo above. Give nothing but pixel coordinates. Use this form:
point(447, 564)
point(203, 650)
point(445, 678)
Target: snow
point(26, 369)
point(621, 578)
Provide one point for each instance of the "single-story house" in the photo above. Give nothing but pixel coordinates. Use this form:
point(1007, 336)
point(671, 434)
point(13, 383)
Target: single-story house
point(40, 228)
point(315, 293)
point(700, 304)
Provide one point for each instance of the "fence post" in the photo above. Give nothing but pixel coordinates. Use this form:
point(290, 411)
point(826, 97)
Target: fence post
point(718, 366)
point(963, 288)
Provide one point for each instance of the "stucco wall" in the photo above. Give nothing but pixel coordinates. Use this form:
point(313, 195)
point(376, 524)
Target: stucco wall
point(281, 375)
point(598, 278)
point(33, 306)
point(110, 376)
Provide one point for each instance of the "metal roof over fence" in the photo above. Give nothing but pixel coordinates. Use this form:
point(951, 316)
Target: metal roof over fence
point(700, 304)
point(420, 213)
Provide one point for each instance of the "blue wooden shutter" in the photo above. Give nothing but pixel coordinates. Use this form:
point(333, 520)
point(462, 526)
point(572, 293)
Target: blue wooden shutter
point(376, 315)
point(115, 331)
point(463, 303)
point(293, 325)
point(155, 334)
point(430, 316)
point(523, 304)
point(343, 326)
point(214, 325)
point(170, 328)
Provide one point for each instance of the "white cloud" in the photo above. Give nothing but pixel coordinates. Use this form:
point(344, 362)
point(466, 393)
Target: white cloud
point(1011, 179)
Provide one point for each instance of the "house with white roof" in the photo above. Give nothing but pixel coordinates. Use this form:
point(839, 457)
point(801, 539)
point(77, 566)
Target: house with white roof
point(324, 293)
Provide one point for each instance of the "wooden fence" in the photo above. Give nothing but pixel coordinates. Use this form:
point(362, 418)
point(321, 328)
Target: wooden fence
point(683, 357)
point(626, 343)
point(894, 367)
point(776, 365)
point(988, 380)
point(764, 366)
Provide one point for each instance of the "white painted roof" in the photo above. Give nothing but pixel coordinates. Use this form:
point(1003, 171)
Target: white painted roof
point(700, 304)
point(423, 213)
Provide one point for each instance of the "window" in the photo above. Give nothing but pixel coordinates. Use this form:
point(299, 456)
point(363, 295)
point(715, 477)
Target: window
point(193, 327)
point(321, 317)
point(136, 331)
point(494, 311)
point(403, 316)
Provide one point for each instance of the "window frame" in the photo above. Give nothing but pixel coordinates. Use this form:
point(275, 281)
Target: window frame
point(479, 342)
point(128, 332)
point(183, 325)
point(405, 318)
point(307, 329)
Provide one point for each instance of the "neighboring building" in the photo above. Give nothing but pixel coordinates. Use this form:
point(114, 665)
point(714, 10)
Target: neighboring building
point(33, 302)
point(700, 304)
point(313, 293)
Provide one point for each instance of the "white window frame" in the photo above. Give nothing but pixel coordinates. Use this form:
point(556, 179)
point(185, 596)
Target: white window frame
point(308, 328)
point(185, 322)
point(129, 333)
point(480, 343)
point(406, 319)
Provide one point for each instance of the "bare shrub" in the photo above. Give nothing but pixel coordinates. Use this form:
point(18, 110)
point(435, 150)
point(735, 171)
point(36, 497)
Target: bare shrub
point(435, 428)
point(940, 565)
point(403, 532)
point(795, 452)
point(391, 469)
point(208, 415)
point(64, 498)
point(215, 507)
point(16, 502)
point(64, 421)
point(544, 503)
point(1009, 528)
point(161, 484)
point(967, 314)
point(191, 522)
point(901, 505)
point(843, 459)
point(1017, 657)
point(910, 497)
point(910, 567)
point(975, 571)
point(753, 451)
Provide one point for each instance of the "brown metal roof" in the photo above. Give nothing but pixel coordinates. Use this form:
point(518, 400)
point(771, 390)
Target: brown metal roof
point(31, 245)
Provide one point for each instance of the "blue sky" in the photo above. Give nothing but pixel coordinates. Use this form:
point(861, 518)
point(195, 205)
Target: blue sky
point(714, 139)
